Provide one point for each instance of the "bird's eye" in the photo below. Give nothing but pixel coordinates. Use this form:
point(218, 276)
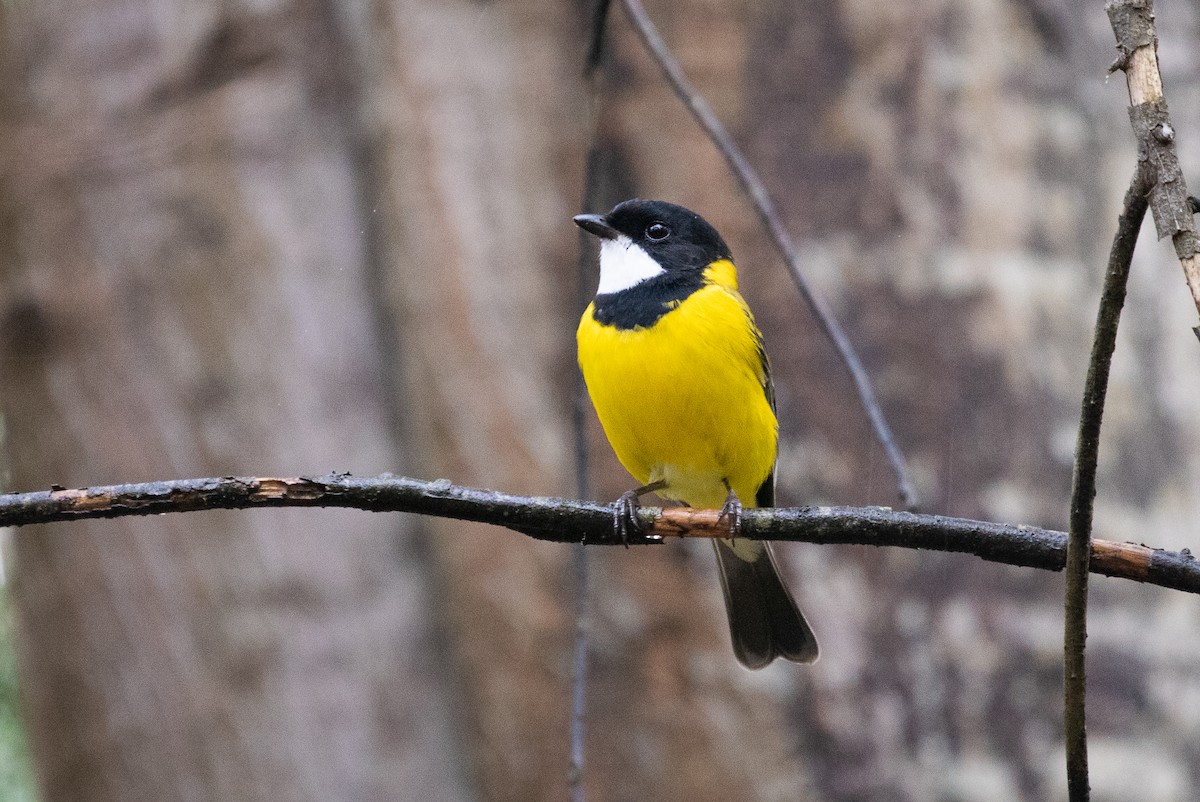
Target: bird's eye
point(657, 232)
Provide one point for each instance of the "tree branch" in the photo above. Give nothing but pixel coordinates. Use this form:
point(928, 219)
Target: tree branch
point(566, 521)
point(1083, 490)
point(1133, 25)
point(753, 186)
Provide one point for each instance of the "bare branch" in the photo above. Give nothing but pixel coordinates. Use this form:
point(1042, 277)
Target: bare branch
point(566, 521)
point(1083, 490)
point(1133, 24)
point(753, 186)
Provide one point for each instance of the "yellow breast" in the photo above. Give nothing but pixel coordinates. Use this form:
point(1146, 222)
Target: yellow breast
point(684, 399)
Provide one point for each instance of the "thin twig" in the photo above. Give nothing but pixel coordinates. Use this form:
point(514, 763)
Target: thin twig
point(1083, 490)
point(753, 186)
point(1133, 25)
point(565, 521)
point(579, 677)
point(579, 655)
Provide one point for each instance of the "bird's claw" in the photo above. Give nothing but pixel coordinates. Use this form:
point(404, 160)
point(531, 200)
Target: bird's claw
point(732, 510)
point(625, 517)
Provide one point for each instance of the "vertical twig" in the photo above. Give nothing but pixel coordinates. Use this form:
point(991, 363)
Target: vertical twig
point(1159, 186)
point(753, 186)
point(1083, 490)
point(579, 666)
point(579, 663)
point(1133, 25)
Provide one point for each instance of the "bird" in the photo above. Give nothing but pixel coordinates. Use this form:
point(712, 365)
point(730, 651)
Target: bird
point(677, 372)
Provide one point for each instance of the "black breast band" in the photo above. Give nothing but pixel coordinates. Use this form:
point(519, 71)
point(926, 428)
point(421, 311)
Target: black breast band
point(643, 304)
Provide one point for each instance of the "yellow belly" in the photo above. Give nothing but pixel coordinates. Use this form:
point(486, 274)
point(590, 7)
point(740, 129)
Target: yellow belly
point(683, 401)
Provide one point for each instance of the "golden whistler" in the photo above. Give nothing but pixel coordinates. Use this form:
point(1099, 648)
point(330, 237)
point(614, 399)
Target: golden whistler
point(678, 374)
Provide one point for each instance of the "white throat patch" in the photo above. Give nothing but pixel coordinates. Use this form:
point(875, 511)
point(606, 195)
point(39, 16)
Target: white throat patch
point(623, 264)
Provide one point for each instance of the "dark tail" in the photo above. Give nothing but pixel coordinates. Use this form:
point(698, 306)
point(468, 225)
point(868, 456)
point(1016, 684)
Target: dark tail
point(764, 621)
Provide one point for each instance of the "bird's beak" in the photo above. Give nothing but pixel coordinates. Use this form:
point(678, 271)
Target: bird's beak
point(596, 224)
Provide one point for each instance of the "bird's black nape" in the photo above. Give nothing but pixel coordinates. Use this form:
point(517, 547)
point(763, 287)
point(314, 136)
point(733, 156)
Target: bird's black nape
point(677, 238)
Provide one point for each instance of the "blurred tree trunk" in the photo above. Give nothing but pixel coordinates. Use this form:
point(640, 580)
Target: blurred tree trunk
point(187, 291)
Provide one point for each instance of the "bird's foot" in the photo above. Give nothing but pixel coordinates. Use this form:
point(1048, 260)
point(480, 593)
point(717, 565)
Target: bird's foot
point(732, 510)
point(625, 511)
point(625, 516)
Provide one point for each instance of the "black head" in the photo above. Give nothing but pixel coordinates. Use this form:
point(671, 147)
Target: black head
point(677, 238)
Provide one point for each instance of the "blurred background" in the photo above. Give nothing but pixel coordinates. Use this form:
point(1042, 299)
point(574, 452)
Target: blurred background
point(286, 237)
